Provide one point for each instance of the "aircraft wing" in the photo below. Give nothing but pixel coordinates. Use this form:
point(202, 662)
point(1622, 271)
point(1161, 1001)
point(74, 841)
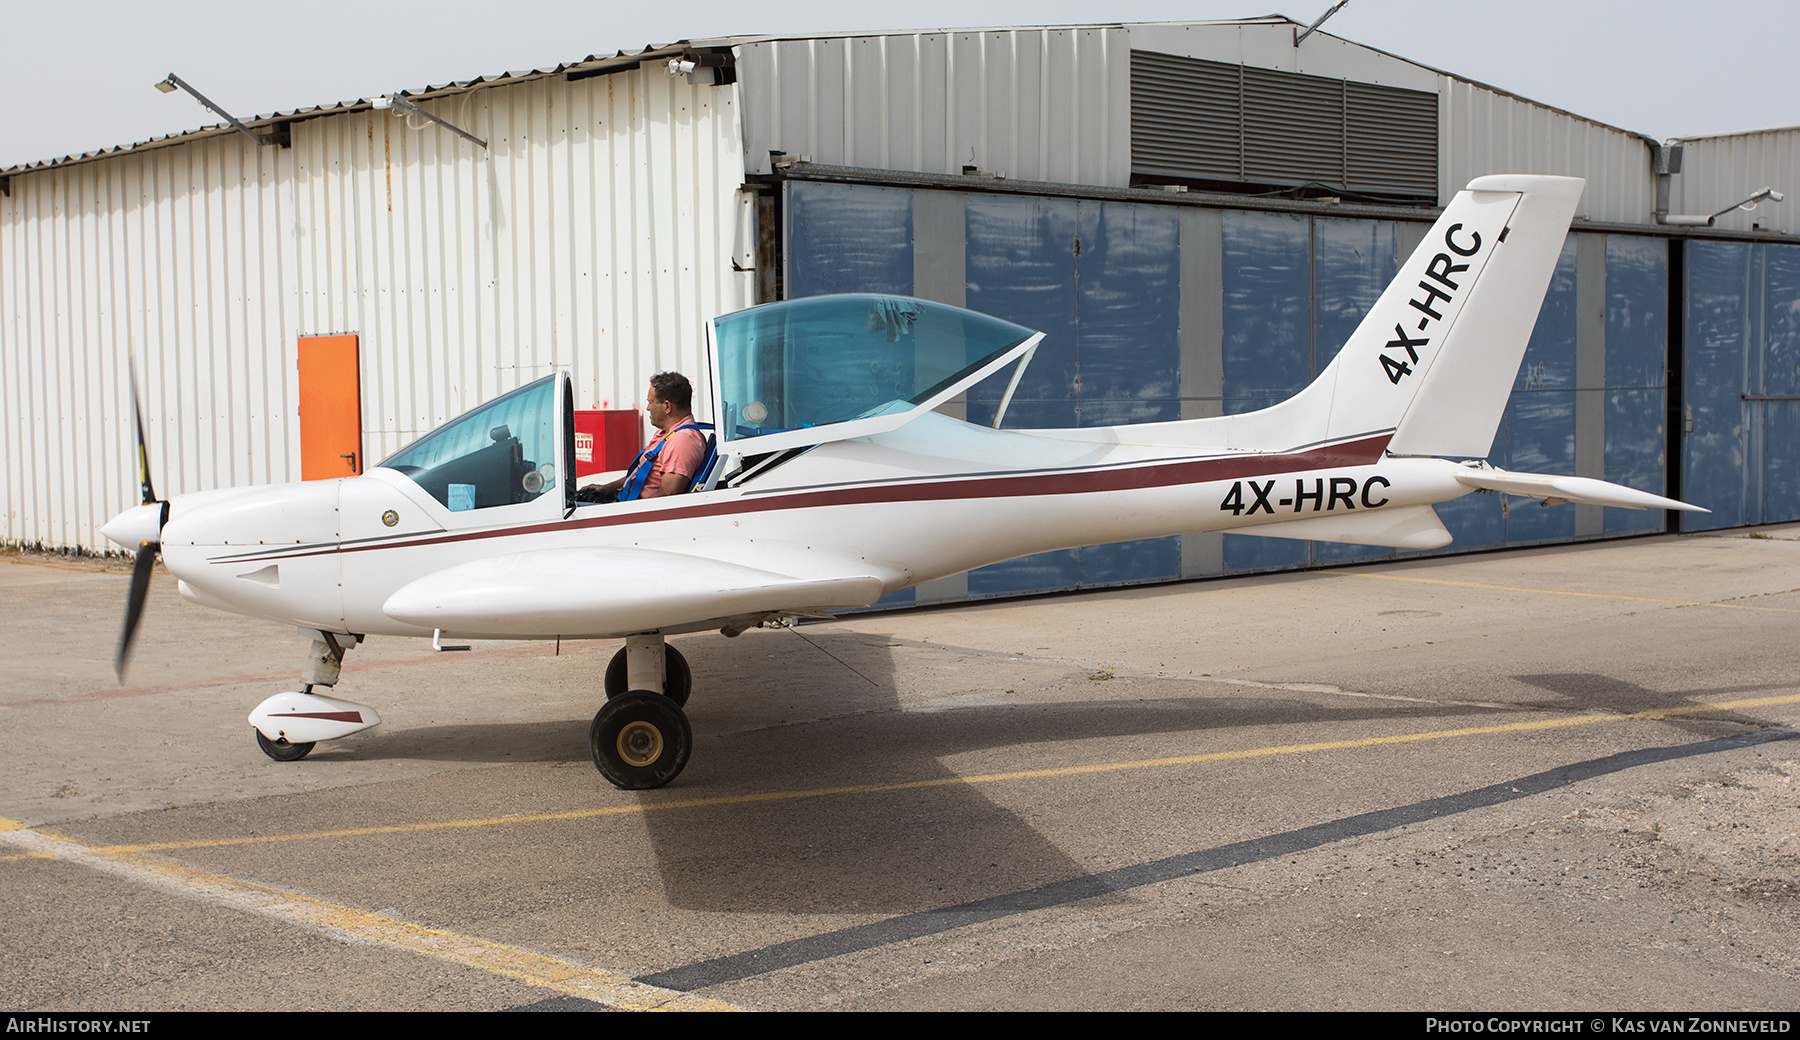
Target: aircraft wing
point(601, 592)
point(1553, 490)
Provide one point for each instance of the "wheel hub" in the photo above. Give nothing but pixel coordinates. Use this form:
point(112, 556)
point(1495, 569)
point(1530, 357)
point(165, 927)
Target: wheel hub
point(640, 743)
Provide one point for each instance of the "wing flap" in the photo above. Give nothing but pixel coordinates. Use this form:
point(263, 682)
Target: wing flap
point(596, 593)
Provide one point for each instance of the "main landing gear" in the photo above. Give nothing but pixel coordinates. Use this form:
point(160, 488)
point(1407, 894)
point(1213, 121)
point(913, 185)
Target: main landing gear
point(641, 738)
point(288, 725)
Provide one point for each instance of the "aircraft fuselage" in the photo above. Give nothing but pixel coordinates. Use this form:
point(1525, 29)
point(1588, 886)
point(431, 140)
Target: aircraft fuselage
point(331, 554)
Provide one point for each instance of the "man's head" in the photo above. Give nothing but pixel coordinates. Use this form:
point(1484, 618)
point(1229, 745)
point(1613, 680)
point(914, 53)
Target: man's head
point(671, 399)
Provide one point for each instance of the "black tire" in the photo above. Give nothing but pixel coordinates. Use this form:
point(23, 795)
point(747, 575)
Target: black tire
point(640, 740)
point(678, 680)
point(281, 750)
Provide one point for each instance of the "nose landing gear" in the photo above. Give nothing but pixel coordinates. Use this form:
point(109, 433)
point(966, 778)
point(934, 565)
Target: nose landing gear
point(287, 725)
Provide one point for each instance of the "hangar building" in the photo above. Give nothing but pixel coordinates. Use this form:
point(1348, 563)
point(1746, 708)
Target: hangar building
point(1197, 214)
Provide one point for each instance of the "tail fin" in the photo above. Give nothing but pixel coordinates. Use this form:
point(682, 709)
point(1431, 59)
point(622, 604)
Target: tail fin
point(1434, 360)
point(1458, 406)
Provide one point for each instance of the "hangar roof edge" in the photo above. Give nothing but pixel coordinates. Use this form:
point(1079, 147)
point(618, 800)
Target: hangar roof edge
point(623, 60)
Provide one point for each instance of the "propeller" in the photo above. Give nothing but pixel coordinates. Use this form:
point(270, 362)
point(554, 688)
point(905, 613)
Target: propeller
point(147, 546)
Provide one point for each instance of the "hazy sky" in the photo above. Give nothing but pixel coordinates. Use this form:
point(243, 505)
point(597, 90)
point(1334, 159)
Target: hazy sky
point(81, 75)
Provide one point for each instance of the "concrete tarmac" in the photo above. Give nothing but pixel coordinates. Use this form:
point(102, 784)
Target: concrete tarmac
point(1536, 779)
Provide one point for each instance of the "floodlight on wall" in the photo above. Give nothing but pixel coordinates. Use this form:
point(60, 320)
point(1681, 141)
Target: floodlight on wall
point(169, 86)
point(395, 101)
point(1694, 220)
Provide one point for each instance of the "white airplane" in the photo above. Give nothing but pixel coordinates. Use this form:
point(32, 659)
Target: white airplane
point(836, 480)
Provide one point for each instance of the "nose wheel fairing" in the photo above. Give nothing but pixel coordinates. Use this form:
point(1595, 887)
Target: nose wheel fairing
point(289, 724)
point(306, 718)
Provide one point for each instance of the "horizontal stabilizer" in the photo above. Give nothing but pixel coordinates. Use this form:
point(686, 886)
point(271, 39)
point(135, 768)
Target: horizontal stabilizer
point(1554, 490)
point(1407, 527)
point(596, 593)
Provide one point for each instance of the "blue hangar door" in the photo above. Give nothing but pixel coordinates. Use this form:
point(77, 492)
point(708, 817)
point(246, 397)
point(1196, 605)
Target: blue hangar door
point(1157, 311)
point(1101, 279)
point(1741, 384)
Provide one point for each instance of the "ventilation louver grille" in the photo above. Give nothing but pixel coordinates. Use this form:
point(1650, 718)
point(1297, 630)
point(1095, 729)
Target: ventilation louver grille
point(1207, 120)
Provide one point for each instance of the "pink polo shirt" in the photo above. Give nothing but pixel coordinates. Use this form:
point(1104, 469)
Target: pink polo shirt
point(681, 456)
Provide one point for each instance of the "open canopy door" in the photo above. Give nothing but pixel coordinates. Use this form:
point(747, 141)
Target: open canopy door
point(826, 368)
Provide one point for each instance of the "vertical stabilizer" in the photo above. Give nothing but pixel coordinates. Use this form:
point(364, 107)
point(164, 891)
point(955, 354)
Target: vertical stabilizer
point(1433, 361)
point(1459, 403)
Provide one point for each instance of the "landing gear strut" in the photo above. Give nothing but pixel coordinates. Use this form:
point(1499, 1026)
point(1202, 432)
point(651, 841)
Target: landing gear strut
point(287, 725)
point(678, 681)
point(641, 739)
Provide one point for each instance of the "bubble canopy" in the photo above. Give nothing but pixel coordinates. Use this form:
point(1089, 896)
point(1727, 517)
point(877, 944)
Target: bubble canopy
point(806, 371)
point(501, 453)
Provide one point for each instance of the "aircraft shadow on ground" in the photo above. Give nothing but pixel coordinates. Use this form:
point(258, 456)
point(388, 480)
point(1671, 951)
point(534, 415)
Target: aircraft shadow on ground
point(916, 848)
point(919, 847)
point(1588, 691)
point(896, 851)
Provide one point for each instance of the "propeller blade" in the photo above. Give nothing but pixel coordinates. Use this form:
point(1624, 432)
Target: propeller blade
point(134, 605)
point(143, 452)
point(147, 549)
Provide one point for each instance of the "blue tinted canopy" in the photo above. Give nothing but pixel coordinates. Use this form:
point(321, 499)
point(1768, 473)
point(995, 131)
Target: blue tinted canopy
point(858, 364)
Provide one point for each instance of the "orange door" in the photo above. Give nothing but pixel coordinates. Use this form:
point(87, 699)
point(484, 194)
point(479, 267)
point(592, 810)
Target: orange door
point(330, 408)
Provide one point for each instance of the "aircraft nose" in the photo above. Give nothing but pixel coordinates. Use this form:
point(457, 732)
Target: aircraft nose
point(135, 526)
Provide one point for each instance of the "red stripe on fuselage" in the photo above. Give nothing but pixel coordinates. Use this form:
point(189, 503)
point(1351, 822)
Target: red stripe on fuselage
point(1121, 478)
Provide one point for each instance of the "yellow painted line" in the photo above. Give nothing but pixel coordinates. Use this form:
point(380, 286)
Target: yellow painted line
point(14, 825)
point(983, 778)
point(352, 925)
point(1560, 592)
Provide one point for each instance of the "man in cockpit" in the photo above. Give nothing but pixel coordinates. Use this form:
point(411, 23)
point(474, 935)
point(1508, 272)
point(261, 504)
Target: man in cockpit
point(668, 464)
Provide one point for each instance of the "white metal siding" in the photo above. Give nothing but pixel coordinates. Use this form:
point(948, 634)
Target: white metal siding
point(1032, 104)
point(594, 234)
point(1483, 132)
point(160, 255)
point(1718, 171)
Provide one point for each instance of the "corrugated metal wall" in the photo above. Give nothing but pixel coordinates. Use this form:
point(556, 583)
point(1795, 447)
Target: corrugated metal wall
point(1718, 171)
point(595, 233)
point(1032, 104)
point(1486, 132)
point(1054, 105)
point(177, 256)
